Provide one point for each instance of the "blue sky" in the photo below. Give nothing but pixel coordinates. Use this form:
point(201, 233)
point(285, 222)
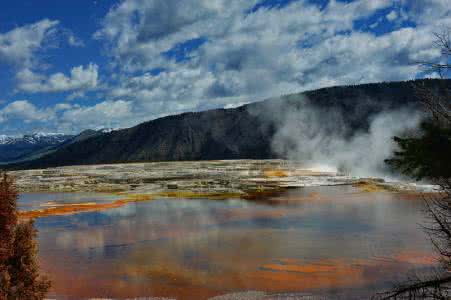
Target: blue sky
point(66, 66)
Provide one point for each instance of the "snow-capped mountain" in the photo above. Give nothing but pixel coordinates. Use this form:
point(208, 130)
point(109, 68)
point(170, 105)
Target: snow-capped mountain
point(14, 148)
point(106, 129)
point(35, 138)
point(31, 146)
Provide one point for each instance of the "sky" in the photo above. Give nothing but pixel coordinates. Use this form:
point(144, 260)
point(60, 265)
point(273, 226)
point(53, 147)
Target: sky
point(66, 66)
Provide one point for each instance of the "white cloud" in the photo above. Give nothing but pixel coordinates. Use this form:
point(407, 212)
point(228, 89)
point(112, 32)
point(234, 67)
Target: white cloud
point(74, 41)
point(62, 106)
point(428, 11)
point(23, 47)
point(80, 78)
point(18, 46)
point(245, 57)
point(67, 117)
point(391, 16)
point(253, 56)
point(110, 114)
point(26, 112)
point(140, 30)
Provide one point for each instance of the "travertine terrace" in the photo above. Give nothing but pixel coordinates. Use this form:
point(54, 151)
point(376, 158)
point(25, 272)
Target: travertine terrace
point(235, 176)
point(218, 177)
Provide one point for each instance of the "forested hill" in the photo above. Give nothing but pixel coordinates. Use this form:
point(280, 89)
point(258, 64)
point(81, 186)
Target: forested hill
point(239, 133)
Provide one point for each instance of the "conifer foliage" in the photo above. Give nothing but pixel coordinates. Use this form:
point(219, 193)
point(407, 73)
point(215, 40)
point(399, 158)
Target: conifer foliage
point(427, 156)
point(19, 272)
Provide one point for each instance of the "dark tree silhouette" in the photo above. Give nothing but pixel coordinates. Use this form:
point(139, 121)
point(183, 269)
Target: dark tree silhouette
point(19, 273)
point(8, 221)
point(427, 155)
point(25, 281)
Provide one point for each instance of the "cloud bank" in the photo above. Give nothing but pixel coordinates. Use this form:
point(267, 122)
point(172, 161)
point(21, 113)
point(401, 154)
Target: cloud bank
point(166, 57)
point(80, 78)
point(19, 46)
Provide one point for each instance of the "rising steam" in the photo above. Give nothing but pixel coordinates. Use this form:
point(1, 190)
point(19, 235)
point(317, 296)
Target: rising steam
point(322, 138)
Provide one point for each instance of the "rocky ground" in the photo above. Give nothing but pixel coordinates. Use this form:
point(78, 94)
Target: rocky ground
point(213, 177)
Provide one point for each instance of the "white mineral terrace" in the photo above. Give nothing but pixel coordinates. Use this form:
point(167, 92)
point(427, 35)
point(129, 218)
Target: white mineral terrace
point(231, 176)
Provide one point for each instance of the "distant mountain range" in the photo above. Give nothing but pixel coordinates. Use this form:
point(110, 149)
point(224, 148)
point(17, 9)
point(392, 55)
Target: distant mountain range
point(35, 138)
point(14, 149)
point(17, 148)
point(245, 132)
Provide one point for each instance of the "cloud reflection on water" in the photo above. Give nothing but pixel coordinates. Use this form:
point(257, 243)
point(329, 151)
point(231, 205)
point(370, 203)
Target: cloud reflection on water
point(341, 240)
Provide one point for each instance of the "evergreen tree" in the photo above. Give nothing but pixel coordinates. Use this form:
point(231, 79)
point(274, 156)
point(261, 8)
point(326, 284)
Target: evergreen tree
point(25, 282)
point(8, 222)
point(19, 273)
point(427, 155)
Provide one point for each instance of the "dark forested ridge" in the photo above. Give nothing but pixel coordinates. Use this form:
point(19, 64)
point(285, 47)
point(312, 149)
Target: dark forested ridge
point(238, 133)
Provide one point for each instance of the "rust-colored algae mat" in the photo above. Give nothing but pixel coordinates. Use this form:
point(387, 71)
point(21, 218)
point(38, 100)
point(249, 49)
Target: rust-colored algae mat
point(67, 209)
point(73, 208)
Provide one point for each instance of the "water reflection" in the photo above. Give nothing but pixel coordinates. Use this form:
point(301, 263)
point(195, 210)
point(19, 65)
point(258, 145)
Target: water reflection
point(334, 240)
point(34, 201)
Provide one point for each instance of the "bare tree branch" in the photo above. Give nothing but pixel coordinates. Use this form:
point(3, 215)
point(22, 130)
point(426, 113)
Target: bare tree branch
point(438, 207)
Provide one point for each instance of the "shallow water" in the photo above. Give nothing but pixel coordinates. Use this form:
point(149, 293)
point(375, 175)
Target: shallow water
point(322, 240)
point(35, 201)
